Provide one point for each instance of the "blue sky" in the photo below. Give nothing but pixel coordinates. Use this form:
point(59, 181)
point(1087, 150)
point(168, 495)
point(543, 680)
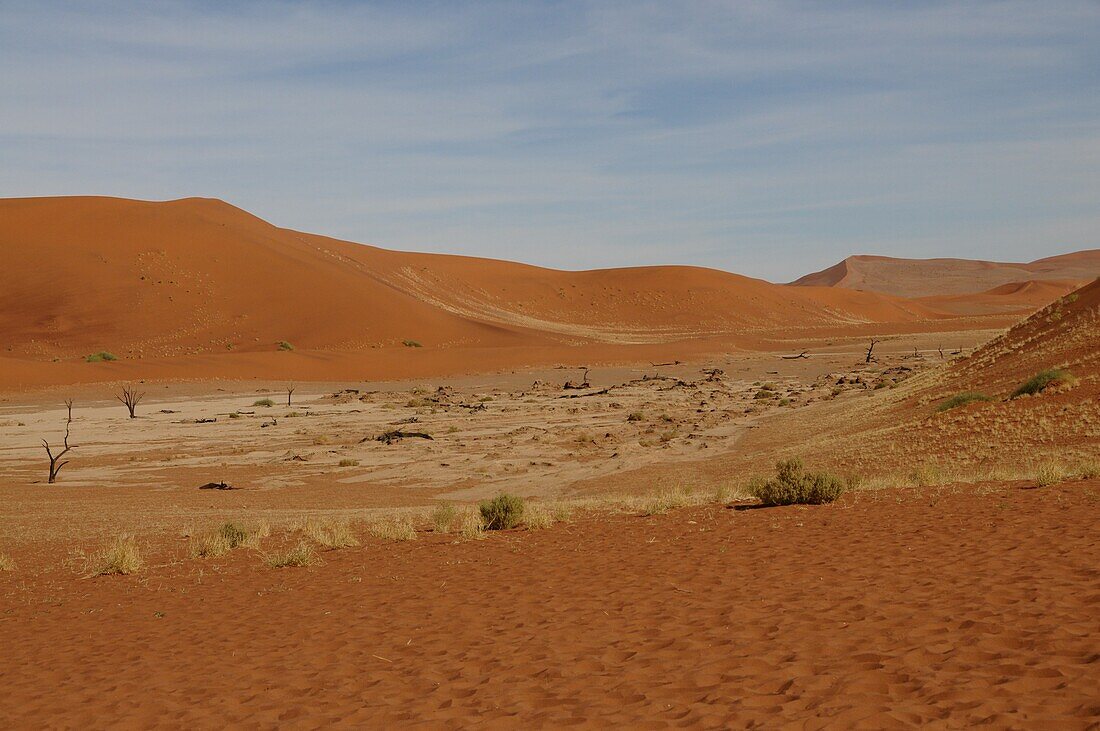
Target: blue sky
point(767, 138)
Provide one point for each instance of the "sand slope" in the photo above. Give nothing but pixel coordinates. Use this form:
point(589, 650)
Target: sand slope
point(938, 277)
point(904, 609)
point(199, 276)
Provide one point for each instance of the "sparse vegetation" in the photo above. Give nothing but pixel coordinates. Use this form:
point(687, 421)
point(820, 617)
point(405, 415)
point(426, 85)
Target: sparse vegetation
point(284, 345)
point(119, 557)
point(443, 517)
point(471, 525)
point(6, 564)
point(349, 463)
point(1043, 380)
point(635, 416)
point(301, 554)
point(331, 534)
point(537, 517)
point(394, 528)
point(665, 500)
point(411, 343)
point(792, 485)
point(225, 538)
point(265, 402)
point(502, 512)
point(100, 357)
point(1050, 473)
point(962, 399)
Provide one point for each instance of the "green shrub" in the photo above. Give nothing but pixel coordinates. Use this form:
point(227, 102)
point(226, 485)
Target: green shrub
point(264, 402)
point(962, 399)
point(100, 357)
point(1043, 380)
point(502, 512)
point(792, 485)
point(284, 345)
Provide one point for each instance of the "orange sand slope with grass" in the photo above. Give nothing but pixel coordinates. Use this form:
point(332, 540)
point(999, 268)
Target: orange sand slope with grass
point(947, 608)
point(944, 277)
point(1028, 398)
point(197, 287)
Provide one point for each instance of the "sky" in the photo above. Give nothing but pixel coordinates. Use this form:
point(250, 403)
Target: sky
point(768, 138)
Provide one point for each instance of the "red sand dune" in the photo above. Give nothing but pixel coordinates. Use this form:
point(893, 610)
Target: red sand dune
point(199, 288)
point(938, 277)
point(199, 275)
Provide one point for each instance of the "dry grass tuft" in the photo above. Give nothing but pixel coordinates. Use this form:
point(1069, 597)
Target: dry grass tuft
point(1043, 380)
point(394, 528)
point(6, 564)
point(665, 500)
point(470, 525)
point(537, 517)
point(225, 538)
point(1090, 470)
point(301, 554)
point(331, 534)
point(1050, 473)
point(120, 557)
point(443, 517)
point(349, 463)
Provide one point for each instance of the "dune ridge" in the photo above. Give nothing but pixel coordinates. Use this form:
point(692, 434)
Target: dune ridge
point(948, 276)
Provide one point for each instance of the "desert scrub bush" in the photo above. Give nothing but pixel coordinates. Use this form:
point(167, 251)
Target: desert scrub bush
point(349, 463)
point(100, 357)
point(1090, 470)
point(1049, 473)
point(6, 564)
point(762, 394)
point(792, 485)
point(1042, 381)
point(394, 528)
point(635, 416)
point(119, 557)
point(225, 538)
point(331, 534)
point(443, 517)
point(502, 512)
point(962, 399)
point(411, 344)
point(265, 402)
point(300, 554)
point(284, 345)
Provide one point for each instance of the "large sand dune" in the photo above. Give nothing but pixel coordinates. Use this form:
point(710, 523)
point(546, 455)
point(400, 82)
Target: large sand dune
point(939, 277)
point(198, 288)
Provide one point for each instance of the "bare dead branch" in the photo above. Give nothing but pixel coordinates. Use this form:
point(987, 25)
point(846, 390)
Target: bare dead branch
point(55, 463)
point(130, 398)
point(289, 392)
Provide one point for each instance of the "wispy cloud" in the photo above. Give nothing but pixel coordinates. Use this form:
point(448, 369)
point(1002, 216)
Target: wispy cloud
point(763, 137)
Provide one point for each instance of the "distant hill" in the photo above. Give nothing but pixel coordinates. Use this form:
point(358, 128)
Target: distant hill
point(945, 277)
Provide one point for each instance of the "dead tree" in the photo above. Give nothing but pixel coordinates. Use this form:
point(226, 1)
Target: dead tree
point(803, 354)
point(130, 398)
point(871, 350)
point(289, 393)
point(55, 463)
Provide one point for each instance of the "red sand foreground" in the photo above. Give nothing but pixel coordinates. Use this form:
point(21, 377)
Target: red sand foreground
point(950, 608)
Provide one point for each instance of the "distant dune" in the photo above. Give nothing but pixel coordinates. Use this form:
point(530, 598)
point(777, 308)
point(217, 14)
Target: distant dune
point(207, 289)
point(199, 276)
point(945, 277)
